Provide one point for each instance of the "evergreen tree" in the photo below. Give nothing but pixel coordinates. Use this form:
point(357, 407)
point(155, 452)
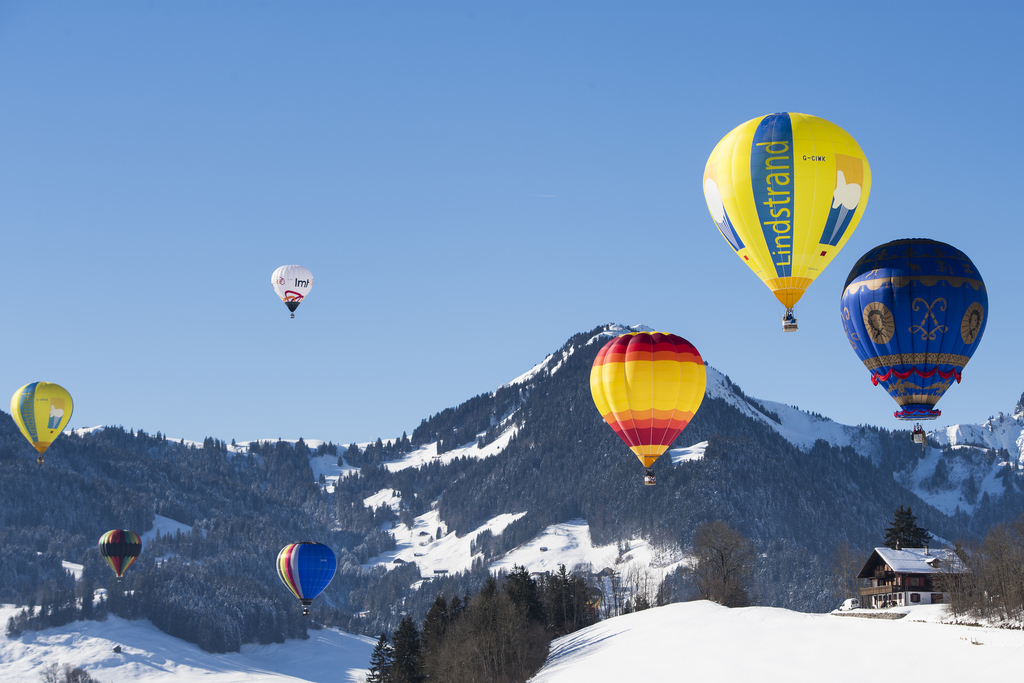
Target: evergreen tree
point(524, 593)
point(380, 661)
point(406, 664)
point(904, 531)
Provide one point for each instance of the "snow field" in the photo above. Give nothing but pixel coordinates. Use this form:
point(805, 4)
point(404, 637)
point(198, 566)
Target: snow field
point(431, 554)
point(149, 655)
point(703, 641)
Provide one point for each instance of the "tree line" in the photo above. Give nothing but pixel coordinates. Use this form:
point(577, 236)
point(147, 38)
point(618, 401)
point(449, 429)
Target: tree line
point(500, 634)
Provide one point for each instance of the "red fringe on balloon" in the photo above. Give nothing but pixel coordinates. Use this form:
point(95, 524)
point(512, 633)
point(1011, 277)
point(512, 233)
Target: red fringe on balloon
point(877, 377)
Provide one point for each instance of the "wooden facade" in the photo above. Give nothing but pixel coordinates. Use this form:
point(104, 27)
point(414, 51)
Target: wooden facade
point(910, 576)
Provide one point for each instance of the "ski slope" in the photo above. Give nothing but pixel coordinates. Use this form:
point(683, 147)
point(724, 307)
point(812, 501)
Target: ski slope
point(703, 641)
point(149, 655)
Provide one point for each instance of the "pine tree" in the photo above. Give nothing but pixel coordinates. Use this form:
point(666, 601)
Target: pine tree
point(380, 661)
point(904, 532)
point(406, 666)
point(525, 593)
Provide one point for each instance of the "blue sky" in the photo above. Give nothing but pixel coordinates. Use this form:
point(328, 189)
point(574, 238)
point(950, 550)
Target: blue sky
point(470, 183)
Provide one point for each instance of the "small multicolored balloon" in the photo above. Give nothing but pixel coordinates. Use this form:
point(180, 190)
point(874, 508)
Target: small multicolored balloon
point(914, 311)
point(647, 387)
point(120, 548)
point(306, 568)
point(42, 411)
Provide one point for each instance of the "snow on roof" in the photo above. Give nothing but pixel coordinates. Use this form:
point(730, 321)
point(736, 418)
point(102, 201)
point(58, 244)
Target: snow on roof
point(918, 560)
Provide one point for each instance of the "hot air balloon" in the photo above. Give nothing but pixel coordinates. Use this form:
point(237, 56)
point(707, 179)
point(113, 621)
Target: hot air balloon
point(914, 311)
point(306, 568)
point(42, 411)
point(292, 284)
point(647, 387)
point(786, 191)
point(120, 547)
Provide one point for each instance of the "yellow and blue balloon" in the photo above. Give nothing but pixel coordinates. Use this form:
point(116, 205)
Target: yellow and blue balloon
point(42, 411)
point(786, 191)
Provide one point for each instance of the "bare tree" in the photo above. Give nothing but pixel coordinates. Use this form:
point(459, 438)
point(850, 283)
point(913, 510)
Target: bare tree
point(961, 582)
point(847, 562)
point(724, 563)
point(1004, 569)
point(65, 673)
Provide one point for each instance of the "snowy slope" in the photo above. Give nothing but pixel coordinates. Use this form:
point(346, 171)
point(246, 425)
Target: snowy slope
point(1002, 431)
point(427, 453)
point(569, 544)
point(703, 641)
point(150, 655)
point(437, 554)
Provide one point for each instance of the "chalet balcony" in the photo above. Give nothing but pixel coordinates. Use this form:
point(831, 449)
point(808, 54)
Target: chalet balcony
point(928, 587)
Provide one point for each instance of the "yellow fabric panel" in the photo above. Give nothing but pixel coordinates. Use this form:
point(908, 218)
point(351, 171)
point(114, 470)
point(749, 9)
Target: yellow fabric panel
point(597, 389)
point(613, 379)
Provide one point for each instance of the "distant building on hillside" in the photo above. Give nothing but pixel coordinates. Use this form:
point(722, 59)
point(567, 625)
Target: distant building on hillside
point(909, 576)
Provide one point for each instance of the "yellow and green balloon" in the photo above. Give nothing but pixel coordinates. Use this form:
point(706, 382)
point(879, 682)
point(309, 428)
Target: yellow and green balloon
point(42, 411)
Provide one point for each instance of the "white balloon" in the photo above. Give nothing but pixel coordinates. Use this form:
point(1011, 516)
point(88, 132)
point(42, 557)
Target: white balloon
point(292, 284)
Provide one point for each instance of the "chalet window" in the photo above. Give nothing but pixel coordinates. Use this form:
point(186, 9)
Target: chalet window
point(914, 581)
point(915, 597)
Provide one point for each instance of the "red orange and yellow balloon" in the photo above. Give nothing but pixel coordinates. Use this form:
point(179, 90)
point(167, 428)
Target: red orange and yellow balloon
point(647, 387)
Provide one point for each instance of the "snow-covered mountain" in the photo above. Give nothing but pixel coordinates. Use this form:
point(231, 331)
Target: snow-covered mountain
point(527, 474)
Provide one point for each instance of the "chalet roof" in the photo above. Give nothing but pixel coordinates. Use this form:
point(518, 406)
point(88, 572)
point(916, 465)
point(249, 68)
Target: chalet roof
point(913, 561)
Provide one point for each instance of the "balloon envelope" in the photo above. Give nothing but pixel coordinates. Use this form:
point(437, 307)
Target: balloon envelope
point(914, 312)
point(647, 387)
point(292, 284)
point(306, 568)
point(786, 191)
point(42, 411)
point(119, 548)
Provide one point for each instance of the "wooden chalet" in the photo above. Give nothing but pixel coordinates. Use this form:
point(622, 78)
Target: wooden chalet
point(909, 576)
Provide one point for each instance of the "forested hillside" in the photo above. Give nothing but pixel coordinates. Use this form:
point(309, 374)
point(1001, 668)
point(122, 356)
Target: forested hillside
point(217, 585)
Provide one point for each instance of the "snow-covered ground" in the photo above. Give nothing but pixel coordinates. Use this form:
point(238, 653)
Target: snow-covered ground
point(702, 641)
point(149, 656)
point(972, 465)
point(694, 452)
point(428, 453)
point(167, 527)
point(435, 554)
point(388, 497)
point(570, 544)
point(75, 569)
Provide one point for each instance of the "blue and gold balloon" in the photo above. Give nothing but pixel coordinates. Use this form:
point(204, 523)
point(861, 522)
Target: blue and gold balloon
point(914, 311)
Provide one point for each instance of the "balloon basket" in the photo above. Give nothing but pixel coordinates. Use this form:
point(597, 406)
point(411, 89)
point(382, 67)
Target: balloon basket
point(789, 321)
point(293, 315)
point(649, 478)
point(305, 607)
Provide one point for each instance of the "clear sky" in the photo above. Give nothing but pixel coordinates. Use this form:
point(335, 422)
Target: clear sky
point(471, 183)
